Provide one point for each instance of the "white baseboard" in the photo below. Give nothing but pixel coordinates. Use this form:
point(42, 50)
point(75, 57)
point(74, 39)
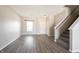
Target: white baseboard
point(8, 43)
point(76, 51)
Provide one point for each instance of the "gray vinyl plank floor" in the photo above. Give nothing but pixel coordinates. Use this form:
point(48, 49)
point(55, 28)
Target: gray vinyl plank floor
point(34, 44)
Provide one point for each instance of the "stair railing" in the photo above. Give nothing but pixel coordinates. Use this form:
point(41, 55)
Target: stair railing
point(64, 24)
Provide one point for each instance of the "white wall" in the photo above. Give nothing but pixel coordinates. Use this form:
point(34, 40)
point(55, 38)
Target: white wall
point(74, 36)
point(9, 26)
point(41, 25)
point(60, 16)
point(50, 25)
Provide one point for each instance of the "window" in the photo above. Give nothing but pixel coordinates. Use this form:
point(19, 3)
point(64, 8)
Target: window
point(29, 26)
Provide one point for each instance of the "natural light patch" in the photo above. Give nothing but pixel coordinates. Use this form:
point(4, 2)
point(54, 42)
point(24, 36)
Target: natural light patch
point(29, 25)
point(29, 41)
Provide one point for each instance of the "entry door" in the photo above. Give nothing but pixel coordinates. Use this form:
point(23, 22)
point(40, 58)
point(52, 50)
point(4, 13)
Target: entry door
point(29, 26)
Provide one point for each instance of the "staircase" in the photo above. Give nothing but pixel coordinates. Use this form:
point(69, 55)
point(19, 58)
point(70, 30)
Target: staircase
point(64, 39)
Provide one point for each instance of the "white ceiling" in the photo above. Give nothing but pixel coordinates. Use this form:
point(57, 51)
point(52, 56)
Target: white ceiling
point(37, 10)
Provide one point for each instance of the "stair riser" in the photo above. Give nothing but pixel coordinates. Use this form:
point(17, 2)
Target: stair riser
point(65, 35)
